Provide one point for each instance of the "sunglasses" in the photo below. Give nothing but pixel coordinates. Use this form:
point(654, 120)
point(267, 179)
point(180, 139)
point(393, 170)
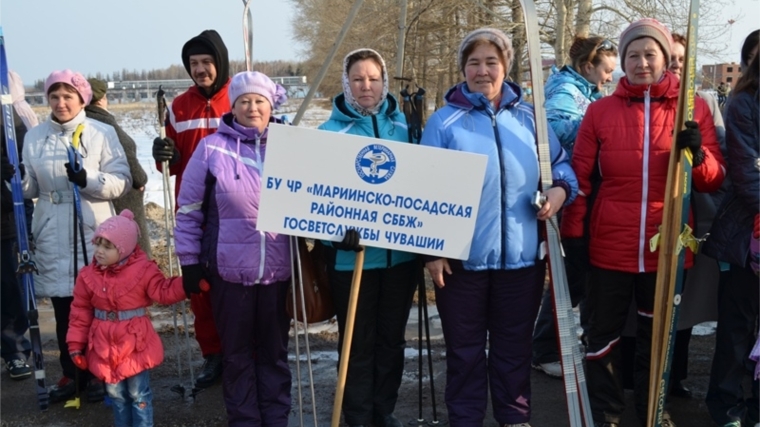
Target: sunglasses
point(605, 45)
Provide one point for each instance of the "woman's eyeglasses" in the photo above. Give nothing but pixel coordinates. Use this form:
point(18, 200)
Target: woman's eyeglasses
point(605, 45)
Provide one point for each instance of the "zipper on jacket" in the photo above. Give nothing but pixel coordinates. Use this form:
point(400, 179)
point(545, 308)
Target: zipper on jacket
point(262, 243)
point(208, 114)
point(376, 130)
point(502, 179)
point(644, 180)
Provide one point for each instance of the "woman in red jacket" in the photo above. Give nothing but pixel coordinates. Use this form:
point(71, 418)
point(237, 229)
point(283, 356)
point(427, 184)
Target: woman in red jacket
point(621, 160)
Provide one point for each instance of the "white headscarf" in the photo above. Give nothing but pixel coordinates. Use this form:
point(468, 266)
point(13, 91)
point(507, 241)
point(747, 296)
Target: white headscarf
point(347, 86)
point(22, 107)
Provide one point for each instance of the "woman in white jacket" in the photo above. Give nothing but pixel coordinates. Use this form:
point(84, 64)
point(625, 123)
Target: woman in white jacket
point(50, 178)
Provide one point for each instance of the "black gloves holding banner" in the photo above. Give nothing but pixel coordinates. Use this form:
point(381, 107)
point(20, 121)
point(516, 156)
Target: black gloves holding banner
point(350, 242)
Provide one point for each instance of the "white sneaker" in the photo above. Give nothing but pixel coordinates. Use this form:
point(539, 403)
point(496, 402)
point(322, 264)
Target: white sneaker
point(552, 369)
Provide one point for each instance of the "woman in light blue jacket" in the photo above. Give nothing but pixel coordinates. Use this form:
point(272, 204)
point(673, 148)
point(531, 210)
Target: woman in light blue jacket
point(572, 88)
point(388, 282)
point(491, 299)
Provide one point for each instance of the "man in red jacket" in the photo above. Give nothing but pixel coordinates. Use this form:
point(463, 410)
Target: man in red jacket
point(194, 115)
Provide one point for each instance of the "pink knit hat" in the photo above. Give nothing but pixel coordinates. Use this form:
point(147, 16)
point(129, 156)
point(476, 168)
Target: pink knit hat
point(646, 27)
point(73, 79)
point(121, 230)
point(258, 83)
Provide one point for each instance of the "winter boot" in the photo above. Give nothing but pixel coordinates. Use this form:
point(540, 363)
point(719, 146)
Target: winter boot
point(212, 370)
point(64, 390)
point(96, 391)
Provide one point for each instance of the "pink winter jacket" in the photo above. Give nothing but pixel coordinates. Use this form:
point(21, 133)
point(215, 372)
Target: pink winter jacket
point(117, 350)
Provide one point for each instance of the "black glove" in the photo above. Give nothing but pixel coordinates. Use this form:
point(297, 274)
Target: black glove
point(7, 168)
point(78, 178)
point(191, 279)
point(350, 242)
point(164, 150)
point(690, 137)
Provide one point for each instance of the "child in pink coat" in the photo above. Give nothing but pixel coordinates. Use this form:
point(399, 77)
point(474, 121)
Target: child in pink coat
point(110, 332)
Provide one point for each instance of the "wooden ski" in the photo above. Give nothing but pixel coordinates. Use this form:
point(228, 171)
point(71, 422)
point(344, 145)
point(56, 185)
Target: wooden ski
point(578, 405)
point(675, 235)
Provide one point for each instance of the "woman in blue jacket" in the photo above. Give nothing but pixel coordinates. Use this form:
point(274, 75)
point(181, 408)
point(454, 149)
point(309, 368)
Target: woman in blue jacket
point(729, 242)
point(491, 299)
point(388, 280)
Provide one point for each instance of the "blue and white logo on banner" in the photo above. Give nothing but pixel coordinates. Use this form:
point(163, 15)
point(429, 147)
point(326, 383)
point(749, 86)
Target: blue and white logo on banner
point(375, 164)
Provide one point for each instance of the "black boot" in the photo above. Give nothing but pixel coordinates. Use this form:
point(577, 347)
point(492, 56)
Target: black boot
point(96, 390)
point(677, 389)
point(212, 370)
point(64, 390)
point(387, 421)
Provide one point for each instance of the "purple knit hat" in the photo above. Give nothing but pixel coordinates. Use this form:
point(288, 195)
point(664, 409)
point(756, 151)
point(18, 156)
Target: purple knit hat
point(258, 83)
point(121, 230)
point(73, 79)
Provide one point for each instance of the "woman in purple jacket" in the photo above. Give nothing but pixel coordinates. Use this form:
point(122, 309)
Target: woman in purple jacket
point(248, 270)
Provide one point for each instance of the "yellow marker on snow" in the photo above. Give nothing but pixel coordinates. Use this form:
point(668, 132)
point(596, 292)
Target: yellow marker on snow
point(73, 403)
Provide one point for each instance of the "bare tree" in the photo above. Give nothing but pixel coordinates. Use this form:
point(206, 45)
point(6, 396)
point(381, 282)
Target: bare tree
point(435, 29)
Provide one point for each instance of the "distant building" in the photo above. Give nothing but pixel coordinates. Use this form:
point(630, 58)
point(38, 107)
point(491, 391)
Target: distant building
point(713, 75)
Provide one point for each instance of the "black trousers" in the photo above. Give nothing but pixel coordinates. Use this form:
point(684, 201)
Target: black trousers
point(14, 323)
point(609, 298)
point(61, 311)
point(737, 319)
point(377, 348)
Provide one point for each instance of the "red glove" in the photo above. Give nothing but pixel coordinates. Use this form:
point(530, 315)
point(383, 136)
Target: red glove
point(756, 230)
point(79, 360)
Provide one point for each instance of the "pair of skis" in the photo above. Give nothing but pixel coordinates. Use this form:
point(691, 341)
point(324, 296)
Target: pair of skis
point(26, 266)
point(674, 237)
point(578, 405)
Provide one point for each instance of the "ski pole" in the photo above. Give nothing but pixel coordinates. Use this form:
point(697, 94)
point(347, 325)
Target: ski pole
point(170, 223)
point(348, 333)
point(75, 160)
point(76, 165)
point(296, 281)
point(435, 421)
point(420, 421)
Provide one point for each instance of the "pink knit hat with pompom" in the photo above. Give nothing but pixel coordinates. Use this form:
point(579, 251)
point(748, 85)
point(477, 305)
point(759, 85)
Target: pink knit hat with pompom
point(121, 230)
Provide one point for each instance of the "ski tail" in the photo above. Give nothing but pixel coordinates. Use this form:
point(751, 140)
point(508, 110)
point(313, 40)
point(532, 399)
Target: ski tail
point(572, 365)
point(674, 234)
point(26, 267)
point(248, 34)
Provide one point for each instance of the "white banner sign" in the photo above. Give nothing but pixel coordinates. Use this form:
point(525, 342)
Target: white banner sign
point(398, 196)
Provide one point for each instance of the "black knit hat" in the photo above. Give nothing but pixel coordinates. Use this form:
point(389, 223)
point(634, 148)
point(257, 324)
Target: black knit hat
point(209, 42)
